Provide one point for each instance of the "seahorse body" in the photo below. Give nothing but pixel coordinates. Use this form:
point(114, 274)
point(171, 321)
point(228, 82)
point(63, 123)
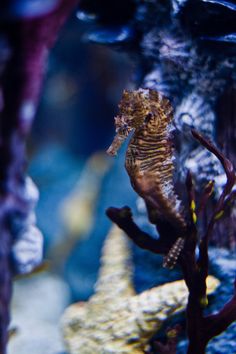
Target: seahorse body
point(149, 157)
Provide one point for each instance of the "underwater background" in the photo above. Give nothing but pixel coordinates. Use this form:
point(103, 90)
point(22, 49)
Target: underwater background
point(77, 182)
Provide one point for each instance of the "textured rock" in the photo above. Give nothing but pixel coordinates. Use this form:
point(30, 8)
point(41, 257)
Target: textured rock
point(116, 319)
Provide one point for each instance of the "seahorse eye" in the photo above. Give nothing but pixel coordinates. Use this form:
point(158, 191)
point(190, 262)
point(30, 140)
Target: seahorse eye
point(149, 117)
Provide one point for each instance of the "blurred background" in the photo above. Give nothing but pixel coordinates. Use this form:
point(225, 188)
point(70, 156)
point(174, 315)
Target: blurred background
point(77, 182)
point(67, 161)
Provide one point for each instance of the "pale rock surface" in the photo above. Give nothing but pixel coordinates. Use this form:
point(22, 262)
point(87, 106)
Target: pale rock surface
point(38, 302)
point(115, 319)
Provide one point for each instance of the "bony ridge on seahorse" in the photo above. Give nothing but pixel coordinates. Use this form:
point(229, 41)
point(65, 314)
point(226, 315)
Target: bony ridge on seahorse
point(149, 162)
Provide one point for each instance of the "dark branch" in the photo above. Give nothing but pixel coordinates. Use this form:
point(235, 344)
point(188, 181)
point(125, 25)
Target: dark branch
point(227, 165)
point(123, 218)
point(208, 190)
point(219, 208)
point(218, 323)
point(191, 197)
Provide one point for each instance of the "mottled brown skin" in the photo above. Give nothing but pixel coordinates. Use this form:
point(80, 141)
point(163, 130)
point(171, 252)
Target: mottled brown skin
point(149, 160)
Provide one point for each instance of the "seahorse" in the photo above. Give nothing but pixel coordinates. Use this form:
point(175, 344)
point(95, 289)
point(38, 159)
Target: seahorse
point(149, 159)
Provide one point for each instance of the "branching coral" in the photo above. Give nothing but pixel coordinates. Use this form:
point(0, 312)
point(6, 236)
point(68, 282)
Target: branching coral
point(201, 328)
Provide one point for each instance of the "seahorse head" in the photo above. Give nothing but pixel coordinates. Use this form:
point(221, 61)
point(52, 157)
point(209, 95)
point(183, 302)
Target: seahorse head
point(134, 108)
